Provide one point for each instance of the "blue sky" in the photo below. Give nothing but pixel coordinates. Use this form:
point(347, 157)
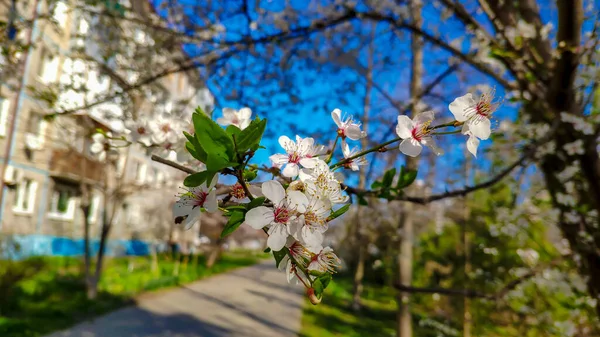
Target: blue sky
point(317, 89)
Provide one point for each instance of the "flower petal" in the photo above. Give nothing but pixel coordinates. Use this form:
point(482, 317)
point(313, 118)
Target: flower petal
point(429, 142)
point(309, 162)
point(278, 160)
point(245, 113)
point(210, 204)
point(336, 115)
point(287, 144)
point(290, 170)
point(353, 132)
point(459, 107)
point(228, 114)
point(273, 190)
point(277, 237)
point(311, 238)
point(410, 147)
point(473, 144)
point(423, 118)
point(96, 148)
point(481, 127)
point(404, 127)
point(297, 200)
point(259, 217)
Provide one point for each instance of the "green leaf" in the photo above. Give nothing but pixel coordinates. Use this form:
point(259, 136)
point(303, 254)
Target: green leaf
point(407, 177)
point(233, 130)
point(215, 162)
point(235, 220)
point(236, 208)
point(250, 137)
point(388, 177)
point(258, 201)
point(250, 175)
point(338, 212)
point(213, 139)
point(376, 185)
point(279, 255)
point(325, 279)
point(318, 287)
point(362, 201)
point(197, 179)
point(267, 250)
point(199, 152)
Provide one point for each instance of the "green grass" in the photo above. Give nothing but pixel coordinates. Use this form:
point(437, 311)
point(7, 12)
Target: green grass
point(42, 295)
point(334, 316)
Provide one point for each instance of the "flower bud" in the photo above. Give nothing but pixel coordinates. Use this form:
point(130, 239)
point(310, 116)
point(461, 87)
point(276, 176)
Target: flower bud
point(310, 292)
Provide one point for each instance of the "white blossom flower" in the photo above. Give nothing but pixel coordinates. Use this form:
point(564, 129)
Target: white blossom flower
point(239, 118)
point(302, 152)
point(321, 182)
point(579, 123)
point(285, 209)
point(103, 147)
point(574, 148)
point(565, 199)
point(475, 114)
point(347, 127)
point(529, 256)
point(139, 131)
point(472, 141)
point(353, 164)
point(310, 226)
point(416, 133)
point(187, 209)
point(164, 130)
point(326, 261)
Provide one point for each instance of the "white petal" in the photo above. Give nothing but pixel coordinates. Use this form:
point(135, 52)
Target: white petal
point(309, 162)
point(353, 132)
point(180, 209)
point(429, 142)
point(278, 159)
point(481, 127)
point(287, 144)
point(336, 115)
point(259, 217)
point(102, 156)
point(274, 191)
point(311, 237)
point(410, 147)
point(404, 127)
point(214, 181)
point(223, 121)
point(211, 202)
point(277, 237)
point(245, 113)
point(96, 148)
point(228, 114)
point(472, 145)
point(191, 219)
point(459, 105)
point(305, 146)
point(346, 149)
point(423, 117)
point(98, 138)
point(297, 200)
point(290, 170)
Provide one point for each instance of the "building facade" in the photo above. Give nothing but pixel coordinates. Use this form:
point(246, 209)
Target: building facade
point(48, 161)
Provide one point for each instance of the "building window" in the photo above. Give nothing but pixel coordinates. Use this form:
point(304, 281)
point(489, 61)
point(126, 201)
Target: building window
point(94, 208)
point(140, 172)
point(35, 131)
point(25, 196)
point(62, 203)
point(48, 69)
point(4, 106)
point(60, 13)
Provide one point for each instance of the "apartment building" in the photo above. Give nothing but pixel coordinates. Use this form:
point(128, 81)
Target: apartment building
point(48, 161)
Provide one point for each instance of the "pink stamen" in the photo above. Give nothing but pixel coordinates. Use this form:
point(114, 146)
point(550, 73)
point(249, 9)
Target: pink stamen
point(282, 215)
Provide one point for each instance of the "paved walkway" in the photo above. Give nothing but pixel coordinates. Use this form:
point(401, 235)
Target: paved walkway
point(254, 301)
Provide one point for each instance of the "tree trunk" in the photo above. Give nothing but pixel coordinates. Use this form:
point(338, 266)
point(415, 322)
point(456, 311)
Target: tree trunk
point(405, 259)
point(215, 254)
point(359, 272)
point(155, 268)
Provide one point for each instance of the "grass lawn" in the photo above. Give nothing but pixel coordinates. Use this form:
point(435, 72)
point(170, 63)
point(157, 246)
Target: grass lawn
point(334, 317)
point(50, 294)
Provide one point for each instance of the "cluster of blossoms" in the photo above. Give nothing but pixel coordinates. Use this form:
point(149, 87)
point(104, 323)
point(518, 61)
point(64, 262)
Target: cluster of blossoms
point(295, 211)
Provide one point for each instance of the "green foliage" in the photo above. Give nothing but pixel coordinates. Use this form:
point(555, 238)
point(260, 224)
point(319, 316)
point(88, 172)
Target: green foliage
point(279, 255)
point(236, 218)
point(214, 140)
point(385, 187)
point(249, 138)
point(198, 178)
point(258, 201)
point(339, 212)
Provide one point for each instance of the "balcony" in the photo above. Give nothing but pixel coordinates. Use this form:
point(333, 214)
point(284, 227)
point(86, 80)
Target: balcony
point(75, 166)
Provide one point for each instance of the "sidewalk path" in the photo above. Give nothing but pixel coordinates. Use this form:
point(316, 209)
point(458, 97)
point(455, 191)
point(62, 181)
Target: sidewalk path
point(254, 301)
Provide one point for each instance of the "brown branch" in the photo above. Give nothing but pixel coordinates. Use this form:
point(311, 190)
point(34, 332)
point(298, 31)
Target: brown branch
point(172, 164)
